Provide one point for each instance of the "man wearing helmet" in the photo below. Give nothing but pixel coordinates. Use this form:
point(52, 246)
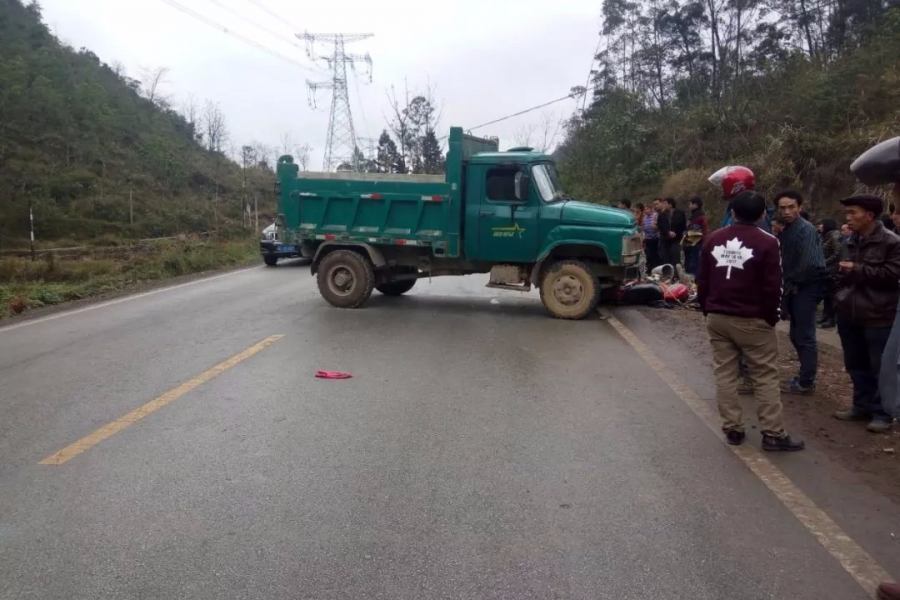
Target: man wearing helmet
point(733, 181)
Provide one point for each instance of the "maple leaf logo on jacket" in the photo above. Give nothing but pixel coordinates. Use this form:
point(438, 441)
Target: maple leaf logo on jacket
point(732, 255)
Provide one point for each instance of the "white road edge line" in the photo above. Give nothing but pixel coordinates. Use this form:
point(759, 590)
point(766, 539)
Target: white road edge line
point(76, 311)
point(864, 569)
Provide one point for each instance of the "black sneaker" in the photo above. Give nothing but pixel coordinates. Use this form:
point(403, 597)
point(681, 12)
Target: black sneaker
point(828, 324)
point(781, 444)
point(878, 425)
point(852, 414)
point(734, 437)
point(793, 386)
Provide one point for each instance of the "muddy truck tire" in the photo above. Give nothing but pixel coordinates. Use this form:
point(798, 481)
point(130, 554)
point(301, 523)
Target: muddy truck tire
point(345, 278)
point(569, 290)
point(270, 261)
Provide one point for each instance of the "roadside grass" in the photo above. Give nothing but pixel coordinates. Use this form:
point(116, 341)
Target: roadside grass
point(51, 280)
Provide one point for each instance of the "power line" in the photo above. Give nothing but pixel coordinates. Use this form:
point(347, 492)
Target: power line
point(522, 112)
point(362, 109)
point(236, 35)
point(272, 32)
point(272, 14)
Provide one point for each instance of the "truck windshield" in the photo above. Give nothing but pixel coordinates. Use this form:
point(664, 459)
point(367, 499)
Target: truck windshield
point(547, 181)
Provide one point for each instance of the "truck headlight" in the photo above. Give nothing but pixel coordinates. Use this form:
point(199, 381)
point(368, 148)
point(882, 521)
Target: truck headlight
point(632, 246)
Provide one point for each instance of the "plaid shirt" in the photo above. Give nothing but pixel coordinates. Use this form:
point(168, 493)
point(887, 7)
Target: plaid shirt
point(802, 259)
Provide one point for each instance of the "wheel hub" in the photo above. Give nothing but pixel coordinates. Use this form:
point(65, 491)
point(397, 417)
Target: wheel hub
point(568, 290)
point(341, 281)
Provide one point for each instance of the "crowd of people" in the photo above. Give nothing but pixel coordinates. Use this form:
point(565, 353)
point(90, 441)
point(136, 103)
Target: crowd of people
point(768, 262)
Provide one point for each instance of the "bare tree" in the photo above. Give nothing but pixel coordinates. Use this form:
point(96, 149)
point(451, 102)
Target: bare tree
point(118, 67)
point(154, 80)
point(215, 126)
point(414, 116)
point(542, 136)
point(303, 154)
point(190, 110)
point(248, 157)
point(263, 155)
point(549, 128)
point(399, 123)
point(286, 143)
point(524, 134)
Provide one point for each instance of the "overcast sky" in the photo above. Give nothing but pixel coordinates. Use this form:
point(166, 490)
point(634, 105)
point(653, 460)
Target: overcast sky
point(486, 58)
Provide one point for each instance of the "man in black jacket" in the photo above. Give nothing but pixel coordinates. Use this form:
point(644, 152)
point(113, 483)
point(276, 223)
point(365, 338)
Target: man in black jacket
point(803, 265)
point(866, 303)
point(672, 223)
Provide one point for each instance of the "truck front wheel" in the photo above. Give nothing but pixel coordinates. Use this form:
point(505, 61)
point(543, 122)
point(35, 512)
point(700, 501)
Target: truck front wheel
point(569, 290)
point(346, 278)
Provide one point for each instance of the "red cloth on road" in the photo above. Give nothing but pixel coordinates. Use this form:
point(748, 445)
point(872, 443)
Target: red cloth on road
point(332, 375)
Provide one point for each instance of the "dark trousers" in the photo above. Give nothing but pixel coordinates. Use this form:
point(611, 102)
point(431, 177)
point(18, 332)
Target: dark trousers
point(828, 290)
point(863, 350)
point(670, 252)
point(801, 306)
point(652, 253)
point(692, 259)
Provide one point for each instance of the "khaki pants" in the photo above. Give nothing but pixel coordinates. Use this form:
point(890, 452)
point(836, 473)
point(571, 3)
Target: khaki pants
point(757, 341)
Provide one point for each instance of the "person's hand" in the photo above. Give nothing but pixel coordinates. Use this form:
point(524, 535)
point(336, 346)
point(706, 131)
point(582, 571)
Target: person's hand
point(845, 266)
point(671, 234)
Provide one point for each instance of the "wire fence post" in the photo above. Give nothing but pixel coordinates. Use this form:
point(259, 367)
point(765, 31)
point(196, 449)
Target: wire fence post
point(31, 226)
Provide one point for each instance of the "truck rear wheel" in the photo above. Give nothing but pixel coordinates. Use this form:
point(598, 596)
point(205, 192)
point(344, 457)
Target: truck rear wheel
point(569, 290)
point(346, 278)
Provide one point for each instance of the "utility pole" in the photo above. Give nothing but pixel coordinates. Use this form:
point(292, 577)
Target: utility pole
point(130, 206)
point(256, 212)
point(341, 143)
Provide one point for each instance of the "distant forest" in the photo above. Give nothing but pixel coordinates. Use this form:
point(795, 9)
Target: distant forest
point(794, 89)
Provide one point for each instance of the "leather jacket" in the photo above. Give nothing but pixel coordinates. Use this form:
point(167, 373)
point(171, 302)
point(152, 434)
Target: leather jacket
point(868, 295)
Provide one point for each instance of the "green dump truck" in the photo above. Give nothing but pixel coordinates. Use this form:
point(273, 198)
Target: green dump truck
point(502, 213)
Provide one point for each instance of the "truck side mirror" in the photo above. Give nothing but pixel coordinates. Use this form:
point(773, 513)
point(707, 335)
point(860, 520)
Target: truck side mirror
point(523, 182)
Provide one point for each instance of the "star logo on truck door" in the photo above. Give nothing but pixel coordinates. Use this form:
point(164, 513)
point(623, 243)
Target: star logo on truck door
point(508, 232)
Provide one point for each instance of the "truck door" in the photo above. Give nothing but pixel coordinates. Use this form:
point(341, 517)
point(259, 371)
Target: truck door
point(507, 215)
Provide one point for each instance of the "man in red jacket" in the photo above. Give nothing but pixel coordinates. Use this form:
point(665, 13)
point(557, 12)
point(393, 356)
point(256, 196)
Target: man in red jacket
point(739, 291)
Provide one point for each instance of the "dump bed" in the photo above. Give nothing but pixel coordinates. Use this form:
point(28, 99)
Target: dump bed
point(380, 208)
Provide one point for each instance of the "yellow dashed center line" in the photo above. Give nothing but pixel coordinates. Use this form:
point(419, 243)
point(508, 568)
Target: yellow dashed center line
point(110, 429)
point(855, 560)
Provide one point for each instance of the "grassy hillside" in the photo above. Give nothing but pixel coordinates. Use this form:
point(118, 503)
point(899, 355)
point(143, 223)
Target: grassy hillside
point(83, 143)
point(684, 88)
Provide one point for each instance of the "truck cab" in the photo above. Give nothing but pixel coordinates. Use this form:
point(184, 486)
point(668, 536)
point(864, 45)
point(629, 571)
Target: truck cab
point(502, 213)
point(515, 203)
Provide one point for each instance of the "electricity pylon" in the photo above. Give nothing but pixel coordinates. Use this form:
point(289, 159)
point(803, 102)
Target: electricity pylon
point(341, 143)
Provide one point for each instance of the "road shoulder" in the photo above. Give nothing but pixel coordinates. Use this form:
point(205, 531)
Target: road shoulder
point(843, 470)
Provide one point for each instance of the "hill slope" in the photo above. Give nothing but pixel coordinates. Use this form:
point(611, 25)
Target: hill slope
point(83, 144)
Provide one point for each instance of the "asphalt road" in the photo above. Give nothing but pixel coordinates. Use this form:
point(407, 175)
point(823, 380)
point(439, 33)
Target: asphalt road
point(482, 450)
